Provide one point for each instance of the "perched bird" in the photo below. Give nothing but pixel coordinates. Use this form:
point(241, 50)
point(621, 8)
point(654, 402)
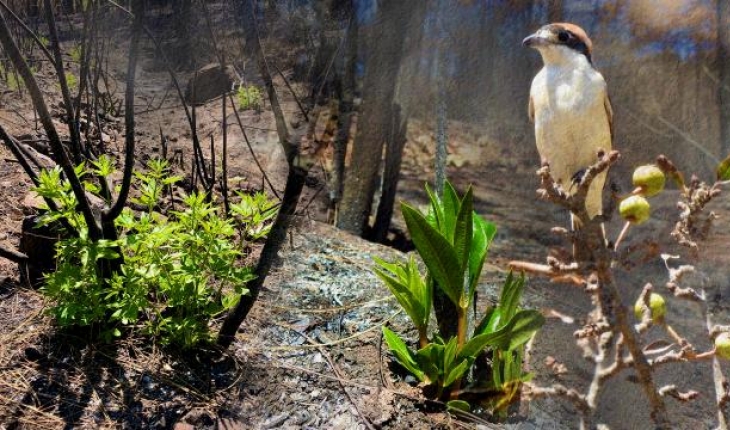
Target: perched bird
point(570, 108)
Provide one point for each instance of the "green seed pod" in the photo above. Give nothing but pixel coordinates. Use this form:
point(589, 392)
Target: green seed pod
point(650, 179)
point(722, 345)
point(657, 305)
point(635, 209)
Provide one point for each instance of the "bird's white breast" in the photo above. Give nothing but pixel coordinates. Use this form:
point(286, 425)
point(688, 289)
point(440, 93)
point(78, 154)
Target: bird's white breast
point(571, 122)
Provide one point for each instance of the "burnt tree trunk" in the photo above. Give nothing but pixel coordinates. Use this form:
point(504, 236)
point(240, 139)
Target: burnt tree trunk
point(383, 40)
point(347, 87)
point(391, 172)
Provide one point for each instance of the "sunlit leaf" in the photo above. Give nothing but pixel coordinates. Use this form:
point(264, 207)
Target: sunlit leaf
point(402, 353)
point(437, 253)
point(723, 170)
point(459, 405)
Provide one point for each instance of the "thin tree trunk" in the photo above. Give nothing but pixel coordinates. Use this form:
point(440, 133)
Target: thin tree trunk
point(384, 41)
point(391, 172)
point(294, 184)
point(346, 113)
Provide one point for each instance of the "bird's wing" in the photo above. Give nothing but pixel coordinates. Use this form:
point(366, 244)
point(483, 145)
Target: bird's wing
point(609, 112)
point(531, 110)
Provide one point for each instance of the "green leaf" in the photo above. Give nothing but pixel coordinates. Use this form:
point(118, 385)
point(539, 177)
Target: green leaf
point(451, 207)
point(511, 293)
point(483, 325)
point(457, 372)
point(483, 234)
point(524, 324)
point(436, 252)
point(723, 170)
point(402, 353)
point(430, 359)
point(458, 405)
point(408, 287)
point(463, 228)
point(512, 335)
point(437, 209)
point(450, 352)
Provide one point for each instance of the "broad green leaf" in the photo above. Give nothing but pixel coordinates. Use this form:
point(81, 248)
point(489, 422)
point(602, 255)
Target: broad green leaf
point(511, 293)
point(402, 353)
point(483, 233)
point(723, 170)
point(451, 207)
point(455, 373)
point(458, 405)
point(463, 228)
point(408, 287)
point(524, 324)
point(437, 209)
point(513, 334)
point(430, 361)
point(512, 369)
point(436, 252)
point(483, 324)
point(450, 350)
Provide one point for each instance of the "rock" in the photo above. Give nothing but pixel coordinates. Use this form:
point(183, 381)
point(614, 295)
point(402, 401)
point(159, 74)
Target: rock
point(32, 202)
point(210, 82)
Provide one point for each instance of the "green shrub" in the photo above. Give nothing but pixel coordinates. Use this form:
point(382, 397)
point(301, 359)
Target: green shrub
point(179, 271)
point(253, 215)
point(249, 97)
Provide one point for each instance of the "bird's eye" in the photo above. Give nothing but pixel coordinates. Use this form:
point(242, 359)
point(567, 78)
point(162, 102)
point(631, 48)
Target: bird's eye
point(563, 36)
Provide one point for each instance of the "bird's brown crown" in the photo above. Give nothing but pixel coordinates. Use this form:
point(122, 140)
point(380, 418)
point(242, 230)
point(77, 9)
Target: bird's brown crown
point(571, 36)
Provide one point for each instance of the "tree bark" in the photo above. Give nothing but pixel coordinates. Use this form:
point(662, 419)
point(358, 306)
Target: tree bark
point(391, 172)
point(294, 185)
point(348, 87)
point(383, 42)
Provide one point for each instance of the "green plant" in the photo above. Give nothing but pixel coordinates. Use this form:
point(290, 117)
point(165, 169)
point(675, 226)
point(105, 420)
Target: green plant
point(75, 53)
point(249, 97)
point(178, 271)
point(452, 240)
point(15, 82)
point(72, 81)
point(253, 215)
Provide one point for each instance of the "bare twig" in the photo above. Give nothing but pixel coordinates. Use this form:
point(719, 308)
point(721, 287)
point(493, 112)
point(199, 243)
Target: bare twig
point(112, 213)
point(250, 148)
point(12, 255)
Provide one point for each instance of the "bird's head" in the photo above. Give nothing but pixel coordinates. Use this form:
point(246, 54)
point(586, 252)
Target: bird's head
point(560, 42)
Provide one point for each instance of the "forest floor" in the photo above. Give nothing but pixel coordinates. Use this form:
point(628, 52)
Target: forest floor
point(310, 355)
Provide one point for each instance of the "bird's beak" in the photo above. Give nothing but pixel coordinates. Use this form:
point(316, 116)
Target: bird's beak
point(535, 39)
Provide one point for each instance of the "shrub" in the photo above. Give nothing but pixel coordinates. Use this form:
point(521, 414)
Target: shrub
point(249, 97)
point(178, 271)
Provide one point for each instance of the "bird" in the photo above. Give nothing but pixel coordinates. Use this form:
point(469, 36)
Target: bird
point(570, 108)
